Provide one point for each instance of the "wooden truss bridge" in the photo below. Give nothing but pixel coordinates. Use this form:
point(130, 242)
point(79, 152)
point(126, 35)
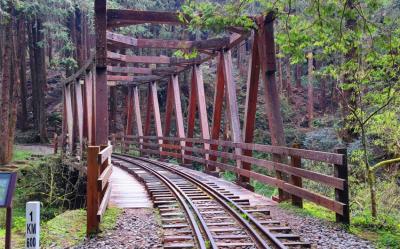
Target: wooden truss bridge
point(86, 112)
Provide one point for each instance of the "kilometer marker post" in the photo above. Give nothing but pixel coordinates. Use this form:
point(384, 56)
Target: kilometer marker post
point(32, 225)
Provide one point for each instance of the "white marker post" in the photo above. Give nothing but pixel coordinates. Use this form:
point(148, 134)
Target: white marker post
point(32, 224)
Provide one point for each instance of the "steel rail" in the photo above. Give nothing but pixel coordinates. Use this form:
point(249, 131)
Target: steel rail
point(225, 202)
point(182, 198)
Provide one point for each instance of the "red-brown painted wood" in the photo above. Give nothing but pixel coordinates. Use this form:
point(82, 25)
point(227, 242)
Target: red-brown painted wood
point(251, 101)
point(218, 103)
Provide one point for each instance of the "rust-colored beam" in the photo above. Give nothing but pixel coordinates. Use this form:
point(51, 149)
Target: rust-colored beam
point(129, 70)
point(218, 104)
point(231, 103)
point(79, 112)
point(119, 18)
point(253, 78)
point(178, 108)
point(127, 41)
point(266, 46)
point(138, 59)
point(138, 115)
point(156, 109)
point(69, 115)
point(122, 78)
point(101, 95)
point(201, 102)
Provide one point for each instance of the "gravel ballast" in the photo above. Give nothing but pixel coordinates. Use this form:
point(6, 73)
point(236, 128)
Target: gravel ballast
point(322, 234)
point(135, 229)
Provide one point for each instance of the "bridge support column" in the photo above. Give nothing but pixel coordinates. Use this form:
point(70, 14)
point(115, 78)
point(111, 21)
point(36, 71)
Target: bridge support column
point(266, 47)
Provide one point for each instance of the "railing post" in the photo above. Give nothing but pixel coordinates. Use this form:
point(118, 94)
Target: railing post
point(341, 171)
point(295, 161)
point(92, 197)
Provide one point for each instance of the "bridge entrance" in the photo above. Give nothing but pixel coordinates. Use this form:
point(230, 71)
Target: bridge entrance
point(148, 133)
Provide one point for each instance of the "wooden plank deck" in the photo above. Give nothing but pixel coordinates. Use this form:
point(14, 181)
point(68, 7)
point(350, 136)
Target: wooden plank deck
point(126, 191)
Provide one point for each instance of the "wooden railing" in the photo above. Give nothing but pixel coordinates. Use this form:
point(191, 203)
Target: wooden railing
point(98, 191)
point(290, 164)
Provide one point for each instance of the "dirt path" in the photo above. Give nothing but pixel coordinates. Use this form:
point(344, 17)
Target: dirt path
point(38, 149)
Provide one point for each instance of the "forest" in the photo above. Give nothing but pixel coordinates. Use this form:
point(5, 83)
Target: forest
point(338, 78)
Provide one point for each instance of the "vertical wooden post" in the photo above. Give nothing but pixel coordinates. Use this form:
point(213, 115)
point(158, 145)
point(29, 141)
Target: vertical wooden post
point(218, 103)
point(253, 77)
point(191, 114)
point(266, 47)
point(156, 109)
point(79, 113)
point(232, 109)
point(92, 197)
point(295, 161)
point(101, 96)
point(69, 115)
point(176, 96)
point(341, 171)
point(138, 116)
point(201, 102)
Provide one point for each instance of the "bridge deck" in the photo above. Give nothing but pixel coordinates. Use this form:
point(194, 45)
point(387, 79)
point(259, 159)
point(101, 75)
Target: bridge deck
point(126, 191)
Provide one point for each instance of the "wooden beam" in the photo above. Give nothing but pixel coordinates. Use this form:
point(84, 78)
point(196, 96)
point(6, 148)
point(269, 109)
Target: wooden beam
point(129, 70)
point(69, 115)
point(147, 78)
point(88, 106)
point(138, 59)
point(253, 77)
point(191, 117)
point(156, 109)
point(126, 41)
point(79, 112)
point(231, 103)
point(218, 104)
point(119, 17)
point(101, 95)
point(266, 47)
point(201, 102)
point(178, 109)
point(138, 115)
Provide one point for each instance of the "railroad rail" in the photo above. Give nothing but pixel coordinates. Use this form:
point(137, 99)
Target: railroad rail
point(218, 218)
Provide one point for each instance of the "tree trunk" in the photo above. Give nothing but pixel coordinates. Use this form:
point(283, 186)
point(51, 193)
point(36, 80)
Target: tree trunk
point(310, 90)
point(22, 72)
point(288, 80)
point(42, 83)
point(9, 90)
point(298, 76)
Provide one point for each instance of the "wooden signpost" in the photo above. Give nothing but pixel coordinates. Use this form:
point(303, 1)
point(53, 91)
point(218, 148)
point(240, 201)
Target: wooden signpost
point(7, 188)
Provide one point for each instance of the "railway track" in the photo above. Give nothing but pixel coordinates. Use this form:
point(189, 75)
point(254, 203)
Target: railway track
point(199, 214)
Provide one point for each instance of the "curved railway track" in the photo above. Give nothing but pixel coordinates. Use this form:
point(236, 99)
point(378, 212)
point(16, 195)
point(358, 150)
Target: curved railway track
point(199, 214)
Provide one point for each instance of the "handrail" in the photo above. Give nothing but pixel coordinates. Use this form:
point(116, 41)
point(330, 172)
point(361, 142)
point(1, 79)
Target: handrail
point(320, 156)
point(339, 181)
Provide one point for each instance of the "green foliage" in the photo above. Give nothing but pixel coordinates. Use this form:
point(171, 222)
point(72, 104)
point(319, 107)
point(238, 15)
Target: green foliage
point(214, 16)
